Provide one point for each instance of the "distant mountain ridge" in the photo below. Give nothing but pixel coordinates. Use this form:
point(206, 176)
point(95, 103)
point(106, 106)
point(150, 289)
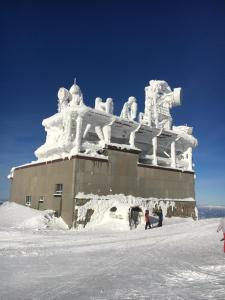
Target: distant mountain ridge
point(211, 211)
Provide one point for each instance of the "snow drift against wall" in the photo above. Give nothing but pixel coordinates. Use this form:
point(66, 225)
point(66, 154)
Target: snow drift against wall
point(13, 215)
point(104, 217)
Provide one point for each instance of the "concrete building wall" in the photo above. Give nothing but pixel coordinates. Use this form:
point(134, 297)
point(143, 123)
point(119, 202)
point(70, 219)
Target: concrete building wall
point(116, 175)
point(165, 183)
point(119, 174)
point(92, 176)
point(40, 180)
point(122, 174)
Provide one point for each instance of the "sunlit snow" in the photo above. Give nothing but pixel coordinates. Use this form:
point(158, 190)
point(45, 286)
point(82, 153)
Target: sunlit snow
point(184, 259)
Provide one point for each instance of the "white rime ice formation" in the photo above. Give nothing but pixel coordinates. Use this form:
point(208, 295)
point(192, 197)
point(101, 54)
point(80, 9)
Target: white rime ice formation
point(77, 128)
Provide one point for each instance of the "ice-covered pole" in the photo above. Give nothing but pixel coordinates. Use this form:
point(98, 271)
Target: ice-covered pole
point(155, 111)
point(173, 154)
point(189, 151)
point(154, 145)
point(78, 138)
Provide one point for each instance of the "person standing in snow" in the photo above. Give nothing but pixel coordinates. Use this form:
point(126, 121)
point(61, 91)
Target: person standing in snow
point(160, 215)
point(222, 227)
point(147, 220)
point(135, 215)
point(130, 218)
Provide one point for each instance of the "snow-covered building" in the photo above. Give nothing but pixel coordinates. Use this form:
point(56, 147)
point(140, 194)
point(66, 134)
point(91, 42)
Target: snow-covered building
point(90, 153)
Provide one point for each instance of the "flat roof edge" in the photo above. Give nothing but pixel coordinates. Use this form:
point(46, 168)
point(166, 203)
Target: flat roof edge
point(79, 156)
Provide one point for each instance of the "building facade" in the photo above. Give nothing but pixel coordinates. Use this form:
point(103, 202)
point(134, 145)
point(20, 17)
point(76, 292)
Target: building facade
point(93, 152)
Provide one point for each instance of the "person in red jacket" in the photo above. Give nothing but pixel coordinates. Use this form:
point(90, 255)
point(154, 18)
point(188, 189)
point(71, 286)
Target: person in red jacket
point(222, 227)
point(147, 220)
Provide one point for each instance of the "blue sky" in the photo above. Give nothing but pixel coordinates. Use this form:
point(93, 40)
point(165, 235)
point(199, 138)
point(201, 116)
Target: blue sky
point(113, 48)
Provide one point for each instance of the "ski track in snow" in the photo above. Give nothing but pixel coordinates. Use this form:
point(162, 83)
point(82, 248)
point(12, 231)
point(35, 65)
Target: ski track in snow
point(177, 261)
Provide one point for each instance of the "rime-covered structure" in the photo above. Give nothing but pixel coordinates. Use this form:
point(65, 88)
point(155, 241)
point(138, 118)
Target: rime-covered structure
point(77, 128)
point(93, 151)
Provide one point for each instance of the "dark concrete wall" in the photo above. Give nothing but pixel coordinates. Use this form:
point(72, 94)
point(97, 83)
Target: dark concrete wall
point(40, 180)
point(164, 183)
point(182, 209)
point(116, 175)
point(120, 173)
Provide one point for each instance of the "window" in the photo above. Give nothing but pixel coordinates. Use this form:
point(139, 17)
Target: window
point(58, 188)
point(28, 201)
point(41, 199)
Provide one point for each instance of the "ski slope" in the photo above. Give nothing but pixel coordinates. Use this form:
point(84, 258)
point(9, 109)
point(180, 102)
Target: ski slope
point(182, 260)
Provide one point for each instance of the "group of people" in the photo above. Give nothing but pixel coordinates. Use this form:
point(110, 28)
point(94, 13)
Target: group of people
point(134, 217)
point(148, 222)
point(134, 220)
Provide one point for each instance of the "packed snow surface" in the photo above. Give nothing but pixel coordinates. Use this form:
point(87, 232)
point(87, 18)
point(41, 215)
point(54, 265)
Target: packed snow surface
point(184, 259)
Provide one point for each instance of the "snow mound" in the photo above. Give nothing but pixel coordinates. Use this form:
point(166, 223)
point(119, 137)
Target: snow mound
point(13, 215)
point(104, 217)
point(111, 212)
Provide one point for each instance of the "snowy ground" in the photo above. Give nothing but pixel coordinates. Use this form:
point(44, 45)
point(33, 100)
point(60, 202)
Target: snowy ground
point(182, 260)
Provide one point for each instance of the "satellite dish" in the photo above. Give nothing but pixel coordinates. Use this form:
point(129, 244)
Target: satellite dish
point(63, 94)
point(177, 96)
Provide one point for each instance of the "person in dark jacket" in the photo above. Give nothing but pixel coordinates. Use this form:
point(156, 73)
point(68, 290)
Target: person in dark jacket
point(160, 215)
point(135, 214)
point(147, 220)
